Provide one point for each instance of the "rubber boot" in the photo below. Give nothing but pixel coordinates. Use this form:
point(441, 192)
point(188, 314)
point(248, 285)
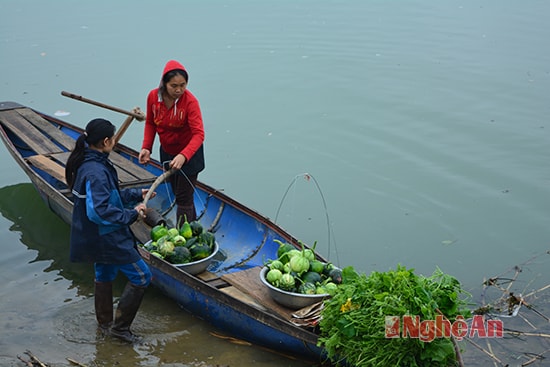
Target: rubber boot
point(103, 300)
point(128, 305)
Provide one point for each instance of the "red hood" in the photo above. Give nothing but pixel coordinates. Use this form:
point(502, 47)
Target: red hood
point(172, 65)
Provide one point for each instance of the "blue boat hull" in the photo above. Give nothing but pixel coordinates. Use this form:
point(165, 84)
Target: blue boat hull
point(222, 312)
point(246, 238)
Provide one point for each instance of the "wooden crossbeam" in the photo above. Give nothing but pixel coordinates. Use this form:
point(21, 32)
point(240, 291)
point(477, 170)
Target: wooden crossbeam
point(128, 173)
point(48, 165)
point(125, 167)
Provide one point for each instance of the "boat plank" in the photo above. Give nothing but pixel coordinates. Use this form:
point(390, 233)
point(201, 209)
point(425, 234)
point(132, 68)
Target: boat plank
point(28, 133)
point(30, 127)
point(243, 297)
point(130, 168)
point(123, 176)
point(127, 171)
point(40, 123)
point(248, 281)
point(61, 157)
point(207, 276)
point(48, 165)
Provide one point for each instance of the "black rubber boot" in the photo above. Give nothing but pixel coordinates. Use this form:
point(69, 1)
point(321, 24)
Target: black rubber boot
point(128, 306)
point(103, 300)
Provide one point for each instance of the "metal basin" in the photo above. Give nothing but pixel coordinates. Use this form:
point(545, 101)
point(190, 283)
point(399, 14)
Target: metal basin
point(290, 300)
point(197, 267)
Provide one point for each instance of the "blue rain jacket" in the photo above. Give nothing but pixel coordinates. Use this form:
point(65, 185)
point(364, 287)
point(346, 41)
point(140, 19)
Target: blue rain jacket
point(102, 214)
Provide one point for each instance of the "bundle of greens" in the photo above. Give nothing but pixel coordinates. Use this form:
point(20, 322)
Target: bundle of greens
point(353, 324)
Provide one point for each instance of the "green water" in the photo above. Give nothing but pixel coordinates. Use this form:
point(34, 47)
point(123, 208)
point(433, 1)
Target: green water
point(424, 124)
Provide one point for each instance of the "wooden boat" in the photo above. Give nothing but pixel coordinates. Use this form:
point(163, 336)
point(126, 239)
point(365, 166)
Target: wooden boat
point(229, 294)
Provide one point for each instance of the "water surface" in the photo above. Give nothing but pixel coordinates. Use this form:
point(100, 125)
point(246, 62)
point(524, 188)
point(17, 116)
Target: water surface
point(423, 124)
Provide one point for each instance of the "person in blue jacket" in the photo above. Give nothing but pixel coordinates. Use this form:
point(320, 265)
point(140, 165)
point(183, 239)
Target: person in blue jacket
point(100, 230)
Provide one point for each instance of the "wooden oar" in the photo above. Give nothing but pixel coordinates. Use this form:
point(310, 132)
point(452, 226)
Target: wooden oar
point(160, 179)
point(124, 127)
point(153, 217)
point(137, 115)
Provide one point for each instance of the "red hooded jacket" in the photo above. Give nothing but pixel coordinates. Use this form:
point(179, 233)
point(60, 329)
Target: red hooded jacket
point(180, 128)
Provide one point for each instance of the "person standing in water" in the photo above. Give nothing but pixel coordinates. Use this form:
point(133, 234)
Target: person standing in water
point(100, 230)
point(173, 113)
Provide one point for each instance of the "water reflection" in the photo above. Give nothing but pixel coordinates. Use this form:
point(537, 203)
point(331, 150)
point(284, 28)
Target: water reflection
point(43, 231)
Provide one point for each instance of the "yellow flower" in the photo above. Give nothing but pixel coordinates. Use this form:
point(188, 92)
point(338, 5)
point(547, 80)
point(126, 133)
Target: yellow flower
point(348, 306)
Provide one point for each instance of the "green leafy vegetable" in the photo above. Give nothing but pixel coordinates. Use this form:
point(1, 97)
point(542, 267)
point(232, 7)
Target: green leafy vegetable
point(352, 328)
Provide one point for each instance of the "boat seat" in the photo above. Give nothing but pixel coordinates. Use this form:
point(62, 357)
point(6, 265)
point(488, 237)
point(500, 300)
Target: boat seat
point(48, 165)
point(128, 174)
point(52, 147)
point(48, 140)
point(42, 124)
point(28, 133)
point(248, 282)
point(54, 164)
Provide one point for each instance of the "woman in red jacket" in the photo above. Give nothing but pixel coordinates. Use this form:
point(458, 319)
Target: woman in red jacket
point(173, 113)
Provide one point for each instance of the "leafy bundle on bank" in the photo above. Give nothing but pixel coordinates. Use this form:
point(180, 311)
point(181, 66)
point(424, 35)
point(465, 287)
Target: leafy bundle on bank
point(352, 327)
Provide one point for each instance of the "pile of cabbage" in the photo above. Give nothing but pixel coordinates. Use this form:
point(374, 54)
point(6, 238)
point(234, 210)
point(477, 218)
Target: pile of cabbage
point(299, 271)
point(183, 245)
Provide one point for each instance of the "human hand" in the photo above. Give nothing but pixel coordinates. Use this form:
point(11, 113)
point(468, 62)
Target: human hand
point(141, 209)
point(145, 191)
point(144, 156)
point(139, 112)
point(178, 162)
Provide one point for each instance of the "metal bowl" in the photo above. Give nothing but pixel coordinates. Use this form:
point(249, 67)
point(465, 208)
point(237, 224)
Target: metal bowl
point(197, 267)
point(290, 300)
